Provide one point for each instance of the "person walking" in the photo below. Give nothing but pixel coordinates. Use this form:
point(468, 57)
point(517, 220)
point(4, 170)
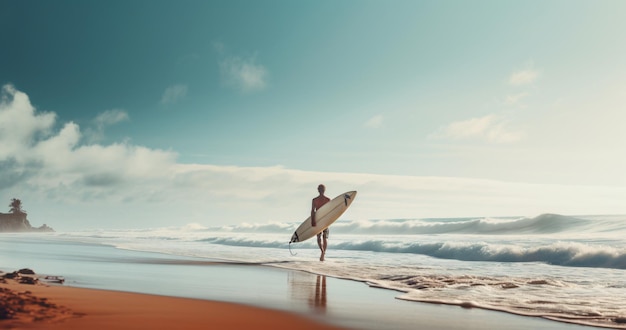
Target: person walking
point(319, 201)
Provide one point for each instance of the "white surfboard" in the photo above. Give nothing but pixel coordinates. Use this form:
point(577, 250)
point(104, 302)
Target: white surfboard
point(325, 216)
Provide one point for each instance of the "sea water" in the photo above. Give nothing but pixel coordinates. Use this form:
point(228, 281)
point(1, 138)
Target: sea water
point(564, 268)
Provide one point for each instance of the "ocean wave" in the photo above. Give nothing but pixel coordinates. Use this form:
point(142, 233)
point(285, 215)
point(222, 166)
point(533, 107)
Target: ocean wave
point(543, 224)
point(271, 227)
point(244, 242)
point(561, 253)
point(571, 254)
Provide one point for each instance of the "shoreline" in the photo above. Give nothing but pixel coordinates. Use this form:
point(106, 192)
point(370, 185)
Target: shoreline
point(51, 307)
point(343, 303)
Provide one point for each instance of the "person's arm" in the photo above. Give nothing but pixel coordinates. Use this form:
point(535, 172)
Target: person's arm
point(313, 221)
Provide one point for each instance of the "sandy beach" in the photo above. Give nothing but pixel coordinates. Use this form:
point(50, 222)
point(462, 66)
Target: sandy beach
point(57, 306)
point(40, 306)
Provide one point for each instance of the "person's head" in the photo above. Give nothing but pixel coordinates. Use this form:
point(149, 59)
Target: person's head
point(321, 188)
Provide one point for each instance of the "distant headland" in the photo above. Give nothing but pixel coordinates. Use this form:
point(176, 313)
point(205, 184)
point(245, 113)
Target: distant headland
point(16, 221)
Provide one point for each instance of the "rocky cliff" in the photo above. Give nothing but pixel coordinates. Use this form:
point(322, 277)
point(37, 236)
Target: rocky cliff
point(17, 222)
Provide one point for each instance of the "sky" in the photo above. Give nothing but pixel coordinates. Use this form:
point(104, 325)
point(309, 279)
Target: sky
point(134, 114)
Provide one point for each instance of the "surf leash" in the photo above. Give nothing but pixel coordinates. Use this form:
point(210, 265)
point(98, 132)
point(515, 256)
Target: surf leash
point(293, 254)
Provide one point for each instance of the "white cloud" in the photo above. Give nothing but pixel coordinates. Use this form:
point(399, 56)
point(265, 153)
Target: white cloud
point(174, 93)
point(374, 122)
point(104, 119)
point(47, 160)
point(110, 117)
point(514, 99)
point(523, 77)
point(243, 74)
point(490, 128)
point(58, 148)
point(19, 124)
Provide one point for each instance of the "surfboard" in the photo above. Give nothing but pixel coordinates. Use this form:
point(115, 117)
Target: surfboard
point(325, 216)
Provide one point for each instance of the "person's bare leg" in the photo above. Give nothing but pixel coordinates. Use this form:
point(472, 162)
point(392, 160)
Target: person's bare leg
point(325, 244)
point(322, 246)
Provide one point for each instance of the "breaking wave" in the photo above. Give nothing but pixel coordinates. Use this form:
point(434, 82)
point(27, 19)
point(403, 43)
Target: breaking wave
point(543, 224)
point(570, 254)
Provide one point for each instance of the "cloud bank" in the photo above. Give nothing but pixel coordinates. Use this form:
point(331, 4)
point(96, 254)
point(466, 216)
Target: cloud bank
point(74, 184)
point(47, 160)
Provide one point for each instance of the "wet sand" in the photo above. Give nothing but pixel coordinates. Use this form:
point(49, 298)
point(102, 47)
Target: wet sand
point(317, 302)
point(27, 306)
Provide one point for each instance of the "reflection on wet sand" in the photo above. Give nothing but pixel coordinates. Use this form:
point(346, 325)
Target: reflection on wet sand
point(309, 290)
point(319, 302)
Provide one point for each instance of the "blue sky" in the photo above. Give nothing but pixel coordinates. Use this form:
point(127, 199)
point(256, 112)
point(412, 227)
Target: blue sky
point(141, 113)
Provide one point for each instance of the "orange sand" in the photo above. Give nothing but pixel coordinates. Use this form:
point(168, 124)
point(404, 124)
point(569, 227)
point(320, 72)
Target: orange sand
point(59, 307)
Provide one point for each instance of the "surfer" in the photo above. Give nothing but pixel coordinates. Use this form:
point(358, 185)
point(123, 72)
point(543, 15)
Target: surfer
point(315, 205)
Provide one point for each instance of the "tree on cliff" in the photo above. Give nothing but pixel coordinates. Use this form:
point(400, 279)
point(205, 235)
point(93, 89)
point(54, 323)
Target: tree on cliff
point(16, 206)
point(15, 222)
